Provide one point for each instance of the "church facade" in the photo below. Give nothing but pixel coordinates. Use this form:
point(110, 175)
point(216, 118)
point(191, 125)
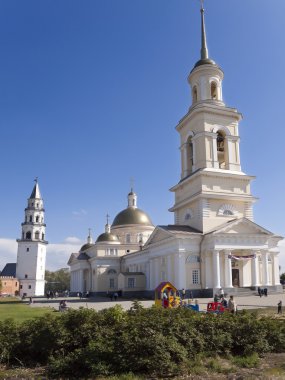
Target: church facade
point(214, 241)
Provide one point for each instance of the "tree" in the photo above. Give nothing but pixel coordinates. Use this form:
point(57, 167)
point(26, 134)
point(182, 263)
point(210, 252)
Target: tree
point(57, 281)
point(0, 285)
point(282, 278)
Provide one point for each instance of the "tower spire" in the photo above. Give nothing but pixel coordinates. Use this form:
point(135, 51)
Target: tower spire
point(204, 48)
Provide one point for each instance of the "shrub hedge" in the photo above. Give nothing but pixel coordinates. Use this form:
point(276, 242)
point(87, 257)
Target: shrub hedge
point(153, 341)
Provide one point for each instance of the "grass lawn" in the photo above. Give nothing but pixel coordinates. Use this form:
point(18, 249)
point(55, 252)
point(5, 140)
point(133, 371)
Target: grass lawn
point(19, 311)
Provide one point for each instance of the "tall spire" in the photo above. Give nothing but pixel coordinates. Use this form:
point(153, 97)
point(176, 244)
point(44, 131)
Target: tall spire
point(36, 194)
point(204, 48)
point(204, 54)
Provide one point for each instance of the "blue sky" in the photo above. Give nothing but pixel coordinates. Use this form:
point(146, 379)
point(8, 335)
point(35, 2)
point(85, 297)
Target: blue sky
point(91, 92)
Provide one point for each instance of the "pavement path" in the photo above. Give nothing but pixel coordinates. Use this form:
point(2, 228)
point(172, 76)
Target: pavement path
point(99, 303)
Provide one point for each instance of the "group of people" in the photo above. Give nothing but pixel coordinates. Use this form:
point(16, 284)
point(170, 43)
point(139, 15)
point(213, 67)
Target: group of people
point(262, 292)
point(228, 304)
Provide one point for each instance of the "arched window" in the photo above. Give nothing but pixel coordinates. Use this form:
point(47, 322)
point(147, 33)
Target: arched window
point(214, 94)
point(221, 149)
point(43, 236)
point(37, 219)
point(189, 147)
point(228, 212)
point(31, 218)
point(37, 235)
point(28, 235)
point(194, 95)
point(112, 271)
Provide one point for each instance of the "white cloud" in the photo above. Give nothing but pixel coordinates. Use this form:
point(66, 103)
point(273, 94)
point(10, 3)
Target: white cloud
point(57, 254)
point(81, 212)
point(72, 240)
point(8, 251)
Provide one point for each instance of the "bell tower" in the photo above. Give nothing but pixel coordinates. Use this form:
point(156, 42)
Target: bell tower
point(31, 256)
point(212, 188)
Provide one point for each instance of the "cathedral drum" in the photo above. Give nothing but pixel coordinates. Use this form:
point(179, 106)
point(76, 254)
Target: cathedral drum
point(167, 296)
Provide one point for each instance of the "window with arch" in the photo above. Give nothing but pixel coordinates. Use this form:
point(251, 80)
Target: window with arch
point(227, 210)
point(221, 149)
point(37, 235)
point(194, 94)
point(189, 147)
point(112, 271)
point(31, 218)
point(140, 238)
point(28, 235)
point(214, 93)
point(43, 236)
point(37, 219)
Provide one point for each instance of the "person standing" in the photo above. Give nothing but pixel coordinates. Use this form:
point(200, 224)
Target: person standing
point(279, 307)
point(183, 292)
point(232, 305)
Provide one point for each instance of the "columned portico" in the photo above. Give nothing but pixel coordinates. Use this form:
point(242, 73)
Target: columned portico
point(216, 269)
point(265, 268)
point(228, 270)
point(255, 271)
point(180, 276)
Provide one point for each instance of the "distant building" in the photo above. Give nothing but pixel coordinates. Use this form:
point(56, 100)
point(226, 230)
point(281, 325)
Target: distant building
point(214, 241)
point(10, 284)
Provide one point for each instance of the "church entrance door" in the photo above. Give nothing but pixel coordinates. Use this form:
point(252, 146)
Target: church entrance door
point(235, 276)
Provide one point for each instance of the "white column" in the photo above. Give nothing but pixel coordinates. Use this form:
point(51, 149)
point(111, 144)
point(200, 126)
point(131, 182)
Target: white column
point(81, 279)
point(255, 271)
point(157, 272)
point(169, 269)
point(228, 270)
point(215, 161)
point(185, 163)
point(216, 269)
point(152, 286)
point(208, 274)
point(265, 268)
point(275, 269)
point(180, 277)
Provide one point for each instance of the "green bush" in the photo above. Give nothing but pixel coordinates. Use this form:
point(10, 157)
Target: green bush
point(152, 342)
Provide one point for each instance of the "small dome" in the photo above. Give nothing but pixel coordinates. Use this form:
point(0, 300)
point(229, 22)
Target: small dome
point(132, 215)
point(107, 236)
point(85, 247)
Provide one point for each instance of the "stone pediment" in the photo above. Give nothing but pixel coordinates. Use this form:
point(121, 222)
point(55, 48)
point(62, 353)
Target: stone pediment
point(241, 226)
point(157, 235)
point(172, 231)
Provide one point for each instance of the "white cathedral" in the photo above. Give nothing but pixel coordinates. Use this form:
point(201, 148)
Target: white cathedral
point(214, 242)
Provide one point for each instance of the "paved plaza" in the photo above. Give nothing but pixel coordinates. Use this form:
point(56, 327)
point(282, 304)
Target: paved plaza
point(99, 303)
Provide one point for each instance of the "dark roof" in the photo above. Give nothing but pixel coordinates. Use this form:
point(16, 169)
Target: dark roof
point(180, 228)
point(82, 256)
point(132, 215)
point(9, 270)
point(86, 246)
